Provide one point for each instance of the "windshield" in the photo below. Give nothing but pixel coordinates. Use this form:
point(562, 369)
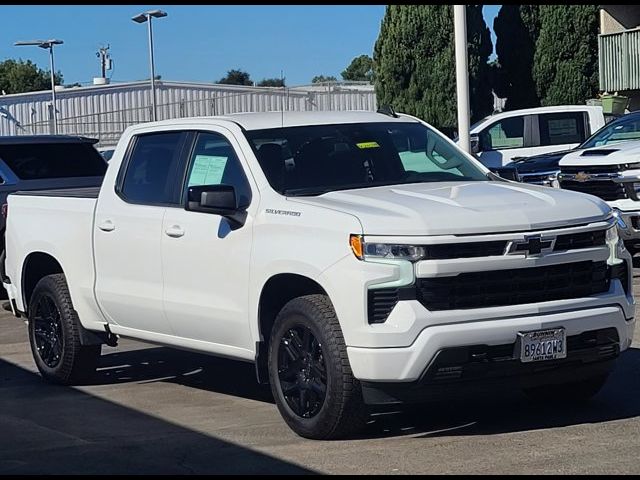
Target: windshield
point(317, 159)
point(620, 130)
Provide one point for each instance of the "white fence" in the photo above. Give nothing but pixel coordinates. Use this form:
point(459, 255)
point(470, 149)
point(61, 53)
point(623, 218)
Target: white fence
point(104, 112)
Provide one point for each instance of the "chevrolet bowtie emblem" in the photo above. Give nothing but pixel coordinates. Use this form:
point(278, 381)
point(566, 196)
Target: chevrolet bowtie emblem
point(531, 245)
point(582, 177)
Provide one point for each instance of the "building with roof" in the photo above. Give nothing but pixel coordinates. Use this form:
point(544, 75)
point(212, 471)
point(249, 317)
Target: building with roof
point(104, 111)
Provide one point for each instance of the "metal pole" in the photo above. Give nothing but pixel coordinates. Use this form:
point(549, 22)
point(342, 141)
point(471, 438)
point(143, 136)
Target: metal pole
point(154, 113)
point(462, 76)
point(53, 91)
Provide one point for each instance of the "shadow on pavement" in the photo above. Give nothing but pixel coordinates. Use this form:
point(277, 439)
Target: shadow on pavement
point(511, 411)
point(506, 411)
point(47, 429)
point(190, 369)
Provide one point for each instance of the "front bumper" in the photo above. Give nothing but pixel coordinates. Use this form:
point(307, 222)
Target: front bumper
point(479, 369)
point(409, 364)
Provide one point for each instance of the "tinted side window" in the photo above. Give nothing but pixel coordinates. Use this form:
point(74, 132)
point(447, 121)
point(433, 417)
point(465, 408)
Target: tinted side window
point(502, 135)
point(53, 160)
point(214, 162)
point(561, 128)
point(154, 173)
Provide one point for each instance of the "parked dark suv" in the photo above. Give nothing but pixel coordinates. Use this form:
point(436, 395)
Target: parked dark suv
point(39, 162)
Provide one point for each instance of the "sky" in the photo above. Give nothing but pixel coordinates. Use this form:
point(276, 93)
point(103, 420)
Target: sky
point(198, 42)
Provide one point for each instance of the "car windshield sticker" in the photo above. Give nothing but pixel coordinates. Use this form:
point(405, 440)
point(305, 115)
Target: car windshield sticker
point(207, 170)
point(368, 145)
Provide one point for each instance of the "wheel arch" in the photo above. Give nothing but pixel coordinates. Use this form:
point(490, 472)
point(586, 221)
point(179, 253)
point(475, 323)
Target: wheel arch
point(36, 266)
point(276, 292)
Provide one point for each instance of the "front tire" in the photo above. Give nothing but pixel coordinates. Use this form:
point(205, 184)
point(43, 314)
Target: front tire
point(54, 334)
point(574, 392)
point(311, 379)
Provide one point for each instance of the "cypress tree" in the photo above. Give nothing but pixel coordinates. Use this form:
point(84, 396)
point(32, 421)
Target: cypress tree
point(565, 67)
point(414, 63)
point(517, 28)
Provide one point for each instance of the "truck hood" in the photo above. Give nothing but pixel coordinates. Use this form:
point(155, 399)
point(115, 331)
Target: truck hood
point(539, 163)
point(613, 154)
point(458, 208)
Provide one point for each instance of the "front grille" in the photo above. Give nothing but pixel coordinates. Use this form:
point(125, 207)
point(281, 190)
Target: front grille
point(606, 190)
point(465, 250)
point(592, 169)
point(580, 240)
point(513, 287)
point(446, 251)
point(535, 179)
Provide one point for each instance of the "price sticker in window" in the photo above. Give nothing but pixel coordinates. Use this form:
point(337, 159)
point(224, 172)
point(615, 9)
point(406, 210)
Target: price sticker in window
point(367, 145)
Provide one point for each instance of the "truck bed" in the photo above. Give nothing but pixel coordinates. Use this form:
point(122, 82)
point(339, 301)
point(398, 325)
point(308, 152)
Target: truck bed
point(84, 192)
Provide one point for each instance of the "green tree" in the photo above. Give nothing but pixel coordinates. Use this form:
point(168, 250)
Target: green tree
point(517, 28)
point(565, 64)
point(18, 76)
point(360, 69)
point(271, 82)
point(236, 77)
point(323, 78)
point(414, 63)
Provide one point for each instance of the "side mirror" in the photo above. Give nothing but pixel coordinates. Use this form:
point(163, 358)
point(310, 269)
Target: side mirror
point(475, 144)
point(218, 200)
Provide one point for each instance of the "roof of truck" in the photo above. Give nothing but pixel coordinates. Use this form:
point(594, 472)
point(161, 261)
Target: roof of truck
point(265, 120)
point(31, 139)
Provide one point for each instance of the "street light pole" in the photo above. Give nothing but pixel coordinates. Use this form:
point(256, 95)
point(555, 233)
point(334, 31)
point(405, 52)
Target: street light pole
point(53, 91)
point(47, 44)
point(146, 17)
point(153, 73)
point(462, 76)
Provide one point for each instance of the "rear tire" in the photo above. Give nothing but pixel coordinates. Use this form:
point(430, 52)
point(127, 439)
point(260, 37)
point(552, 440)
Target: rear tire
point(54, 334)
point(311, 379)
point(575, 392)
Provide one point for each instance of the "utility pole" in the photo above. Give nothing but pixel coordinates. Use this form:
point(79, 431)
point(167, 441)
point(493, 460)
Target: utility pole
point(462, 76)
point(105, 60)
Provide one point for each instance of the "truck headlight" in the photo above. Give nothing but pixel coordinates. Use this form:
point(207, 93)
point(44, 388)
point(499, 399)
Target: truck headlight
point(363, 250)
point(619, 220)
point(612, 239)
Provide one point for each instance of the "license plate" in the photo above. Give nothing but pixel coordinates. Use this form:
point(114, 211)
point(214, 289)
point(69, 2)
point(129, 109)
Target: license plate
point(542, 345)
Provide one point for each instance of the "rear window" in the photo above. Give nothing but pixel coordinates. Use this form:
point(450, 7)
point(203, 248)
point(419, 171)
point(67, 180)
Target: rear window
point(53, 160)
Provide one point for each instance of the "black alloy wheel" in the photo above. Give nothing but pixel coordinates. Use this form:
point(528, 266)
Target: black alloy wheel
point(47, 329)
point(302, 371)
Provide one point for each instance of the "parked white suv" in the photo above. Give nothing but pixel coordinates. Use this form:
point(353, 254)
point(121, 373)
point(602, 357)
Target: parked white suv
point(356, 258)
point(507, 136)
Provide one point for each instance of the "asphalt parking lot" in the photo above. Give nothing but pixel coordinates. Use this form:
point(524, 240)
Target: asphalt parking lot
point(157, 410)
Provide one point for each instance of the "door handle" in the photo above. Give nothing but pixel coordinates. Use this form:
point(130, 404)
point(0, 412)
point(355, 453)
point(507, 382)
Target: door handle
point(107, 226)
point(175, 231)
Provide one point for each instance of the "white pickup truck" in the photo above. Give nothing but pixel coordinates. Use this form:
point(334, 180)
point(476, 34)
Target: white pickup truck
point(356, 258)
point(611, 172)
point(516, 134)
